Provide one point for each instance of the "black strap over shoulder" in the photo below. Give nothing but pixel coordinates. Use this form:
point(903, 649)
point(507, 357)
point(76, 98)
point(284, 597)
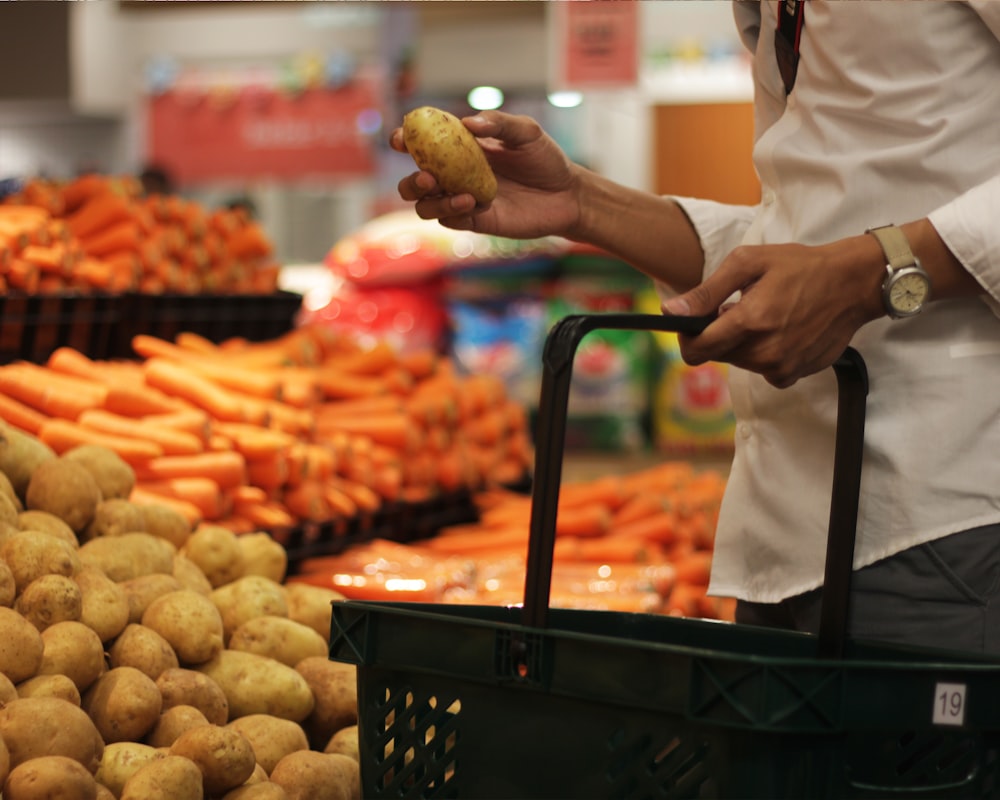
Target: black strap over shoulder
point(791, 18)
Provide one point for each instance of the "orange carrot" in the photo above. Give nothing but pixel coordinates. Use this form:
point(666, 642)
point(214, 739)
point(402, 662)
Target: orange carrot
point(193, 420)
point(63, 434)
point(606, 549)
point(362, 495)
point(270, 515)
point(48, 392)
point(140, 401)
point(203, 493)
point(20, 415)
point(694, 568)
point(121, 236)
point(226, 468)
point(180, 381)
point(659, 527)
point(170, 440)
point(99, 212)
point(591, 520)
point(52, 258)
point(254, 441)
point(77, 191)
point(392, 430)
point(268, 473)
point(70, 361)
point(514, 539)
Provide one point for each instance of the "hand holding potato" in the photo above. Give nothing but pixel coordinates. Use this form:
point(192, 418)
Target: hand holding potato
point(537, 183)
point(441, 144)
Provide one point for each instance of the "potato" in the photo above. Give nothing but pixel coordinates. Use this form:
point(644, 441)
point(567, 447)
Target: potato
point(104, 793)
point(49, 726)
point(8, 509)
point(166, 523)
point(141, 591)
point(188, 687)
point(257, 791)
point(60, 686)
point(113, 517)
point(257, 685)
point(33, 519)
point(124, 704)
point(279, 638)
point(8, 588)
point(114, 476)
point(4, 764)
point(120, 762)
point(8, 691)
point(75, 650)
point(223, 755)
point(50, 778)
point(312, 605)
point(345, 742)
point(247, 598)
point(21, 646)
point(271, 738)
point(143, 648)
point(335, 687)
point(65, 489)
point(172, 723)
point(20, 455)
point(49, 599)
point(8, 491)
point(31, 554)
point(441, 144)
point(190, 575)
point(308, 775)
point(264, 556)
point(216, 550)
point(129, 555)
point(104, 606)
point(167, 778)
point(190, 622)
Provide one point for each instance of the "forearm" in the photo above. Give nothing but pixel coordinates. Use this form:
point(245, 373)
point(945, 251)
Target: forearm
point(650, 232)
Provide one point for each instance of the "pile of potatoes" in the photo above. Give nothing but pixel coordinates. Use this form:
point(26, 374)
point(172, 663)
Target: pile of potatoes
point(142, 659)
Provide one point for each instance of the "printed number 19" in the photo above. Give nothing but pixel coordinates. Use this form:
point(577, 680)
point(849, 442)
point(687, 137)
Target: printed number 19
point(949, 704)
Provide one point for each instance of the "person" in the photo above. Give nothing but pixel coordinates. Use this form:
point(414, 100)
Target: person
point(867, 115)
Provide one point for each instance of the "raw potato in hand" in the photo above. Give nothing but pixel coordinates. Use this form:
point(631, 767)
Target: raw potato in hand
point(440, 144)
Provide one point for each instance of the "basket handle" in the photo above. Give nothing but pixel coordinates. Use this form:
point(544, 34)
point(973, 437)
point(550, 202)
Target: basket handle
point(557, 366)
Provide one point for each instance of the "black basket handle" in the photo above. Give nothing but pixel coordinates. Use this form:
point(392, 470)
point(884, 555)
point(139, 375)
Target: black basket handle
point(557, 367)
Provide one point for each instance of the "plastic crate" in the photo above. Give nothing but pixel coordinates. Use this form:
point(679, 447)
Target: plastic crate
point(256, 317)
point(532, 702)
point(33, 326)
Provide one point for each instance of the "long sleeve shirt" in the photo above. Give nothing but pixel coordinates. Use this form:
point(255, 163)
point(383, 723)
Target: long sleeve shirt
point(894, 116)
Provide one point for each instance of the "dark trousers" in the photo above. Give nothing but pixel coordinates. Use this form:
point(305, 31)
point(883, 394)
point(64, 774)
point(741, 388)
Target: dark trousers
point(943, 594)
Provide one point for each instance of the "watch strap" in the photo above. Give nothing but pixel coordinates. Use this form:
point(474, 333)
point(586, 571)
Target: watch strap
point(894, 245)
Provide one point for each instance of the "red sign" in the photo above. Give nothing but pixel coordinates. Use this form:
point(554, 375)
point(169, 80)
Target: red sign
point(255, 133)
point(600, 43)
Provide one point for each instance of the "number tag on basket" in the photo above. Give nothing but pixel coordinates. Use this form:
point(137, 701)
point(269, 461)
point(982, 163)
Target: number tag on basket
point(949, 704)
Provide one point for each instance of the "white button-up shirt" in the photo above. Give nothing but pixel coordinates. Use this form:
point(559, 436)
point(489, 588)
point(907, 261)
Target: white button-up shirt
point(897, 117)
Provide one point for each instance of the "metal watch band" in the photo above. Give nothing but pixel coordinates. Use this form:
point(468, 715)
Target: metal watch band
point(894, 245)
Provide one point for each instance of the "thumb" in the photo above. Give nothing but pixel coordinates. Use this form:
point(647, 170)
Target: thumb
point(699, 301)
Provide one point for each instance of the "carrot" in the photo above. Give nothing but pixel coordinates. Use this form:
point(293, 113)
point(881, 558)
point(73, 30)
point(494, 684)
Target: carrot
point(268, 473)
point(226, 468)
point(695, 568)
point(684, 600)
point(53, 258)
point(379, 404)
point(23, 275)
point(193, 420)
point(637, 507)
point(180, 381)
point(94, 273)
point(394, 430)
point(591, 520)
point(170, 440)
point(473, 541)
point(121, 236)
point(420, 363)
point(606, 549)
point(659, 527)
point(254, 441)
point(63, 434)
point(189, 340)
point(77, 191)
point(607, 490)
point(20, 415)
point(189, 511)
point(203, 493)
point(362, 495)
point(37, 387)
point(335, 384)
point(100, 211)
point(141, 401)
point(270, 515)
point(70, 361)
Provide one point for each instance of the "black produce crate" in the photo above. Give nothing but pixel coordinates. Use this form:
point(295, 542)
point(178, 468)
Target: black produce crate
point(33, 326)
point(256, 317)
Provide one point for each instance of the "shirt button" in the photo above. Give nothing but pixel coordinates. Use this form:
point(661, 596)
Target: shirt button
point(767, 197)
point(745, 429)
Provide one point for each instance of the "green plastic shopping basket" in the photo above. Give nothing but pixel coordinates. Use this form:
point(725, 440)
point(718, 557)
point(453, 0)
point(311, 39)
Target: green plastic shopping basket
point(533, 702)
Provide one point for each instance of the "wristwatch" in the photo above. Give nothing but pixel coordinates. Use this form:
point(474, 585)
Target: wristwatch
point(907, 287)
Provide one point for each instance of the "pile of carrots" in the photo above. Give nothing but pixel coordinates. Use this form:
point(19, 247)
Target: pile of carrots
point(312, 426)
point(639, 542)
point(100, 233)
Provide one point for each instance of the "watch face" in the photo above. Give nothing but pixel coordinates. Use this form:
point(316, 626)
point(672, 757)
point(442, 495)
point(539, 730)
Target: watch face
point(908, 292)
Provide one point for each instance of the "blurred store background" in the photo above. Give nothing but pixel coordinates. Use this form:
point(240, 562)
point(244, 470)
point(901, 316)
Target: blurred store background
point(285, 108)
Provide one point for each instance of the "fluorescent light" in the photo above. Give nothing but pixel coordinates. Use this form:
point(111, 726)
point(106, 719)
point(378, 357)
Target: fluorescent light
point(565, 99)
point(485, 97)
